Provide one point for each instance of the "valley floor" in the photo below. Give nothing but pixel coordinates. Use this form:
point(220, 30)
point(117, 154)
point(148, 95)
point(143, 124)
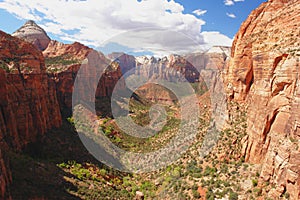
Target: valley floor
point(59, 167)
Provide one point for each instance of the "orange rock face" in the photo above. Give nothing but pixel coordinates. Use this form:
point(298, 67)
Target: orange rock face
point(92, 65)
point(264, 71)
point(19, 56)
point(28, 102)
point(74, 51)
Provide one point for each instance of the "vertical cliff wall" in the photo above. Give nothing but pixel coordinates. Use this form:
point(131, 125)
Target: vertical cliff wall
point(28, 102)
point(264, 71)
point(65, 61)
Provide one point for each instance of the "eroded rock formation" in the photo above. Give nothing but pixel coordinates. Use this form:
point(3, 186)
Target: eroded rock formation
point(100, 74)
point(75, 51)
point(28, 102)
point(264, 71)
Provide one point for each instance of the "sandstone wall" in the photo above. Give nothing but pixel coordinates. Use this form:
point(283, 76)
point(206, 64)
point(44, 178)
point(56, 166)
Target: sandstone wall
point(264, 71)
point(28, 102)
point(97, 74)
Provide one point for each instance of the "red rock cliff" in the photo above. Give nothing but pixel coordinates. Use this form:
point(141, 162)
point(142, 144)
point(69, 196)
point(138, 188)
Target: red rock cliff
point(264, 71)
point(28, 103)
point(91, 64)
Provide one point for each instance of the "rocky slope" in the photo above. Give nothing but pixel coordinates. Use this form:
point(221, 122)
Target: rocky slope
point(264, 71)
point(173, 68)
point(167, 68)
point(33, 95)
point(28, 102)
point(65, 60)
point(75, 51)
point(34, 34)
point(127, 62)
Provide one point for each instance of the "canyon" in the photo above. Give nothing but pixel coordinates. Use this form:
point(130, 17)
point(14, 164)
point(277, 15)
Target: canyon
point(37, 85)
point(260, 71)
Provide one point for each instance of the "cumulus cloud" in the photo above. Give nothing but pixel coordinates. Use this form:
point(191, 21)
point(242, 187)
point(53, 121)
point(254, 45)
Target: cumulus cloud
point(216, 38)
point(231, 15)
point(231, 2)
point(95, 22)
point(199, 12)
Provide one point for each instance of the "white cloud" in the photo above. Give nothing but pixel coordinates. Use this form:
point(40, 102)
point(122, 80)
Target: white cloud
point(216, 39)
point(199, 12)
point(228, 2)
point(231, 2)
point(231, 15)
point(98, 21)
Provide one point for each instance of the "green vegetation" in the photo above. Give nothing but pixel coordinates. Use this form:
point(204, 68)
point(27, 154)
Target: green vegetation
point(60, 60)
point(4, 66)
point(73, 172)
point(199, 87)
point(233, 196)
point(59, 63)
point(254, 182)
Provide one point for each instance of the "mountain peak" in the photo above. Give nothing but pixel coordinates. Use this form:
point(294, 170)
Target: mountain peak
point(33, 33)
point(30, 23)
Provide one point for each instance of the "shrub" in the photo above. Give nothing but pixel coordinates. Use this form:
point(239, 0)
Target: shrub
point(233, 196)
point(196, 194)
point(195, 187)
point(257, 191)
point(71, 120)
point(60, 60)
point(286, 195)
point(4, 66)
point(254, 182)
point(210, 195)
point(102, 172)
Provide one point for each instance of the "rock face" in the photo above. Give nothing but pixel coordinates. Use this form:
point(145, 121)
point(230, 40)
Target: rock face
point(210, 65)
point(5, 177)
point(168, 68)
point(127, 62)
point(66, 74)
point(28, 102)
point(90, 63)
point(173, 68)
point(75, 51)
point(34, 34)
point(264, 71)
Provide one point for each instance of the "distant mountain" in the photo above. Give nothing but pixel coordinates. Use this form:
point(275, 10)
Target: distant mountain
point(34, 34)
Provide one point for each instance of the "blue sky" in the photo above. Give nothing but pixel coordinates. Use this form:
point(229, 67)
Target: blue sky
point(216, 18)
point(109, 25)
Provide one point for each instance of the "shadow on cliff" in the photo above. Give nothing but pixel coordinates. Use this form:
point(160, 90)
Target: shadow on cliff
point(35, 171)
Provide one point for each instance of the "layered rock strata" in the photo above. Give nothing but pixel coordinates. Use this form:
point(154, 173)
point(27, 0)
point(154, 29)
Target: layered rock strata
point(34, 34)
point(264, 71)
point(28, 101)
